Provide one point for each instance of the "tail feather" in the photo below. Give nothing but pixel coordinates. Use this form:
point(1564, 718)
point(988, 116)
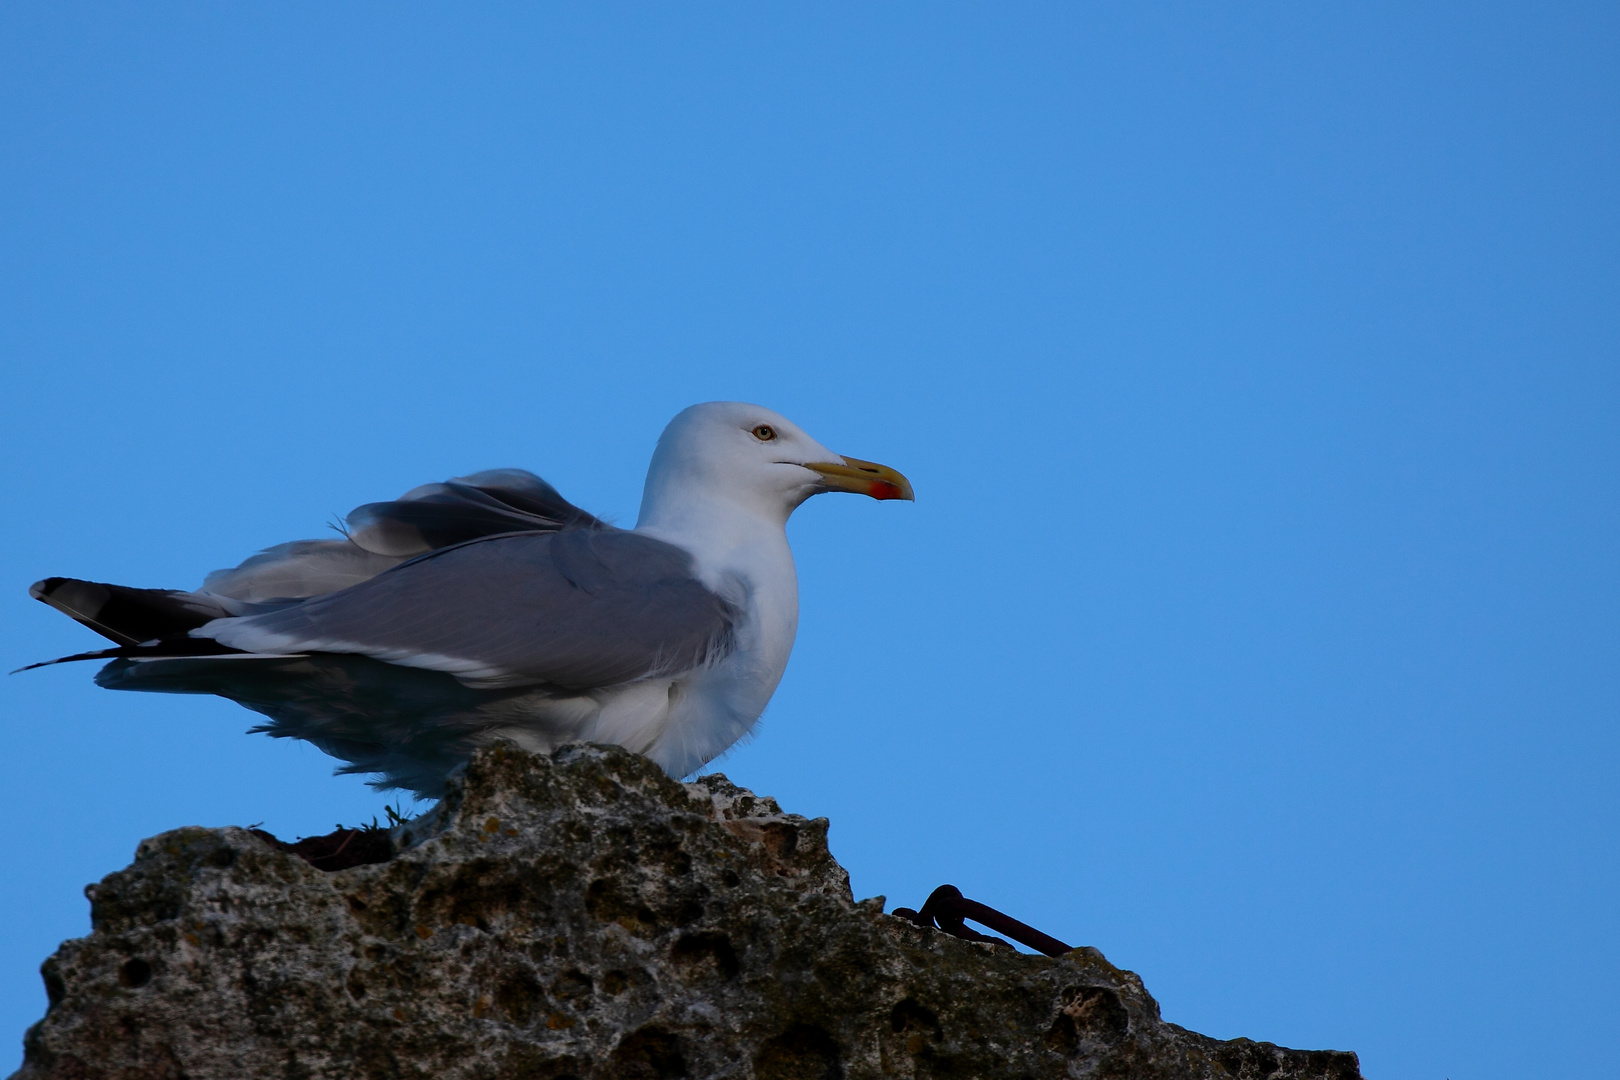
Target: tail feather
point(181, 647)
point(124, 615)
point(99, 654)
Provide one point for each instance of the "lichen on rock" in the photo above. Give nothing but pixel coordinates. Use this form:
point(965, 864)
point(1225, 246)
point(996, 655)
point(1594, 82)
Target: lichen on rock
point(577, 915)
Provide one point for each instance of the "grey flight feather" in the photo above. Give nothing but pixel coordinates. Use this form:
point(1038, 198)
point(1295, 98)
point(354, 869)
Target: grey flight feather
point(382, 535)
point(483, 504)
point(579, 609)
point(294, 571)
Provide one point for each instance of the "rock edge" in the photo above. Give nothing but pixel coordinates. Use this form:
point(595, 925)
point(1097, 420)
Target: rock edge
point(573, 917)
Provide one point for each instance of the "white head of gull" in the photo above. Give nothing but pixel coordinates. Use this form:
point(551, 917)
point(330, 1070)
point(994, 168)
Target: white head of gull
point(488, 607)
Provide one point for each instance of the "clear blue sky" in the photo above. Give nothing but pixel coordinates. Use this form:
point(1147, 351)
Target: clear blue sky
point(1255, 365)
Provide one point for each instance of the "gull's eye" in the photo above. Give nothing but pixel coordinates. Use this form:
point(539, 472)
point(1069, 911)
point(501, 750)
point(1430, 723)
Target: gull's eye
point(764, 433)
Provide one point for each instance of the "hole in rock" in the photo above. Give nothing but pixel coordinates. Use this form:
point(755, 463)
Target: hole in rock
point(912, 1015)
point(649, 1054)
point(705, 955)
point(802, 1052)
point(1089, 1013)
point(781, 840)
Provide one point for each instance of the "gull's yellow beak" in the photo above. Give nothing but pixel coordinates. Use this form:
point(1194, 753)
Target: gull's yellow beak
point(863, 478)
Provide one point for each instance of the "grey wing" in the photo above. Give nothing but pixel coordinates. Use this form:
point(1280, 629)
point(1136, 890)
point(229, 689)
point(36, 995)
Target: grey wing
point(484, 504)
point(294, 571)
point(383, 535)
point(579, 609)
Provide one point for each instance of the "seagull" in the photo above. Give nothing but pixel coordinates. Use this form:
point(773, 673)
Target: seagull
point(488, 607)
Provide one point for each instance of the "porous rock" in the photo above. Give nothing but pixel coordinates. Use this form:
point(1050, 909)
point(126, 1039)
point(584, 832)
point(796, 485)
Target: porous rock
point(577, 915)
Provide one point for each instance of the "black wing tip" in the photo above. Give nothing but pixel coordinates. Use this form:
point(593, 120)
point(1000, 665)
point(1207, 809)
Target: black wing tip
point(99, 654)
point(45, 588)
point(125, 614)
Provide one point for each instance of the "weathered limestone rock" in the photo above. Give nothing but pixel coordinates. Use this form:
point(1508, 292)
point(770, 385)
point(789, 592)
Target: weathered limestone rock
point(580, 915)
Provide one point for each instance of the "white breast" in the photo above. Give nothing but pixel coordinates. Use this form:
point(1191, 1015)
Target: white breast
point(706, 711)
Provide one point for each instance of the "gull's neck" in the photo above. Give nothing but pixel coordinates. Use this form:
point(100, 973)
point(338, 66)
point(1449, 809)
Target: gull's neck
point(722, 535)
point(741, 554)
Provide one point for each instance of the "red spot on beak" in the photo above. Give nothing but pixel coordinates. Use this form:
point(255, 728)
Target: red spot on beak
point(882, 489)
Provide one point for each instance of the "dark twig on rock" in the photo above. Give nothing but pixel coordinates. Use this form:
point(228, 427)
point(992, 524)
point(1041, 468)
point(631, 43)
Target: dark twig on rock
point(337, 850)
point(946, 907)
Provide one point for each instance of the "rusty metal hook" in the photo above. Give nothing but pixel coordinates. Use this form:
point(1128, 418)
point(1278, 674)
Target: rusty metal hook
point(946, 907)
